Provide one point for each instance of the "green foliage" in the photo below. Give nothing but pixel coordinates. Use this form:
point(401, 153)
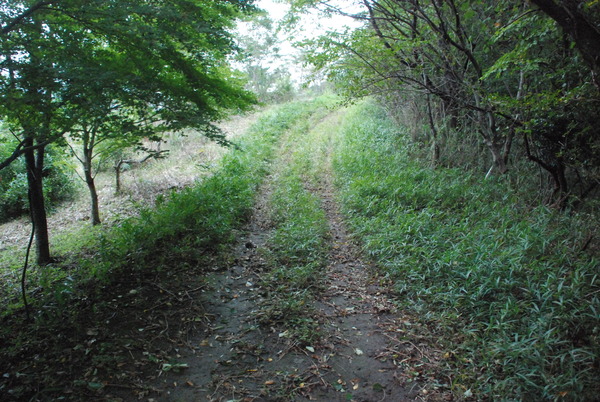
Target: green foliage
point(473, 75)
point(508, 285)
point(260, 44)
point(112, 71)
point(189, 223)
point(13, 183)
point(184, 229)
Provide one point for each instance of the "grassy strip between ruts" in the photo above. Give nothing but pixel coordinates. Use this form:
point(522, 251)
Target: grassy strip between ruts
point(298, 245)
point(506, 290)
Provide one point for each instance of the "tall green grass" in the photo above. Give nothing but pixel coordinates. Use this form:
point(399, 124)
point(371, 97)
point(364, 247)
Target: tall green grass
point(508, 285)
point(200, 219)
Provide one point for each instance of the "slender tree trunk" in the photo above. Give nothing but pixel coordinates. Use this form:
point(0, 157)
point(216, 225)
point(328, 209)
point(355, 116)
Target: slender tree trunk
point(499, 161)
point(89, 180)
point(118, 177)
point(434, 133)
point(494, 141)
point(34, 160)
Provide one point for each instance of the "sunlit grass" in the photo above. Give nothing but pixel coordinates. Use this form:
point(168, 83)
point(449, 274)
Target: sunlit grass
point(179, 230)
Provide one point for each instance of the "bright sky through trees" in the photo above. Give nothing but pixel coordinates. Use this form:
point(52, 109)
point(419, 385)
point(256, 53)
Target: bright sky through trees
point(310, 26)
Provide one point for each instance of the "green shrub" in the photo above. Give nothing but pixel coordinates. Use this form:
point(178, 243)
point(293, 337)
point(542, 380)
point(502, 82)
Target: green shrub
point(58, 183)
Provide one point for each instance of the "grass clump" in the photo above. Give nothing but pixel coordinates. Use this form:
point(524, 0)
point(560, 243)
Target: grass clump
point(508, 286)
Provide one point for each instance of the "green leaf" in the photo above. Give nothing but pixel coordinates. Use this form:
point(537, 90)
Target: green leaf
point(95, 385)
point(377, 387)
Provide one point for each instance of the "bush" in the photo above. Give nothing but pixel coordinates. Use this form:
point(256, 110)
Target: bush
point(58, 183)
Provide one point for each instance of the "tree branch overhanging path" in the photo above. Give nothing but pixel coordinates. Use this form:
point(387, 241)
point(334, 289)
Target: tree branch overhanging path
point(500, 76)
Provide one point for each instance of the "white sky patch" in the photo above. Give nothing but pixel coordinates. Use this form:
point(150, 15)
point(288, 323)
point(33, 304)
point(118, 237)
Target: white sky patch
point(276, 10)
point(311, 26)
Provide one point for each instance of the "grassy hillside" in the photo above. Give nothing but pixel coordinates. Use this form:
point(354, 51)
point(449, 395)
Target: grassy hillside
point(508, 292)
point(181, 227)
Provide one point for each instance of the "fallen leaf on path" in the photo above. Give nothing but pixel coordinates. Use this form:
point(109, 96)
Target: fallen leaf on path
point(310, 349)
point(269, 382)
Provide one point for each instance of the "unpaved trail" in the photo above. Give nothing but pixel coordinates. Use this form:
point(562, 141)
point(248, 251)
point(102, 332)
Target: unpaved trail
point(238, 358)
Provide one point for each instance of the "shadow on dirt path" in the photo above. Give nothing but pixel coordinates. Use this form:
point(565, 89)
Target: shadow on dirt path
point(238, 359)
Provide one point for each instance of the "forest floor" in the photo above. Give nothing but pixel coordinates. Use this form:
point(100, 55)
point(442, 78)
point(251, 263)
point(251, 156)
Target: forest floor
point(185, 337)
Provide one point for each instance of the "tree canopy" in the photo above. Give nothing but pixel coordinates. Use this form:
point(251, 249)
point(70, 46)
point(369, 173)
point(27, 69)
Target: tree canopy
point(521, 76)
point(64, 63)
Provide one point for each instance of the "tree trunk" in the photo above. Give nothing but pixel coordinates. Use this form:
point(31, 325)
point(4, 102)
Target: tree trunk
point(495, 143)
point(434, 134)
point(89, 180)
point(34, 160)
point(94, 199)
point(586, 35)
point(118, 177)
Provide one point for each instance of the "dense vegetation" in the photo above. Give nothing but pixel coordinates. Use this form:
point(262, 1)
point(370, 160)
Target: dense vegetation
point(59, 185)
point(101, 72)
point(507, 88)
point(506, 289)
point(469, 175)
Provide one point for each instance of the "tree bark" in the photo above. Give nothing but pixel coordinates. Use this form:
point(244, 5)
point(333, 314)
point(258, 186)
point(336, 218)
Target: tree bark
point(34, 160)
point(89, 180)
point(118, 177)
point(585, 34)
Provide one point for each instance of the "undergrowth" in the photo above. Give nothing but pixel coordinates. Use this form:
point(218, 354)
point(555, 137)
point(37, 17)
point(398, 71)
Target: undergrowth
point(508, 287)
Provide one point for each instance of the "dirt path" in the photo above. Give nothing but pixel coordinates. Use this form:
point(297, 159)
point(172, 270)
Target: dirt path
point(239, 358)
